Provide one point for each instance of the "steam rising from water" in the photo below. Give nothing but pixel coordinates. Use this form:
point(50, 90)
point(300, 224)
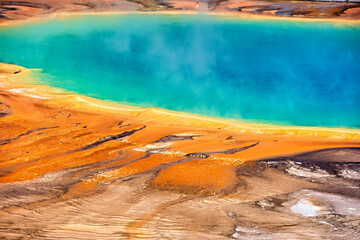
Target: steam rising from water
point(274, 71)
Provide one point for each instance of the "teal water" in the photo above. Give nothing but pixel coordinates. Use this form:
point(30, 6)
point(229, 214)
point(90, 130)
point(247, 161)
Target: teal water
point(282, 72)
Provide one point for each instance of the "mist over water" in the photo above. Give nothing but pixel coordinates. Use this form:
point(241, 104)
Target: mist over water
point(283, 72)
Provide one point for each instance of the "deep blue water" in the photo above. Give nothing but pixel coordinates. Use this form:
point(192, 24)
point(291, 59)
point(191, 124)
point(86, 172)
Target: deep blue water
point(282, 72)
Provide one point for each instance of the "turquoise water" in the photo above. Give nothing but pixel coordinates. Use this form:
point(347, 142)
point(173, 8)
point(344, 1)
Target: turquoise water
point(282, 72)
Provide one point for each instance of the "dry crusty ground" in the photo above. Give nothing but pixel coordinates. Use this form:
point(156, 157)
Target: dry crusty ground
point(20, 10)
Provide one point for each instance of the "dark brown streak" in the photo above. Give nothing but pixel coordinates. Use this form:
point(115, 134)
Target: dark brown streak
point(1, 103)
point(9, 140)
point(120, 124)
point(88, 5)
point(227, 151)
point(106, 139)
point(152, 4)
point(173, 138)
point(25, 4)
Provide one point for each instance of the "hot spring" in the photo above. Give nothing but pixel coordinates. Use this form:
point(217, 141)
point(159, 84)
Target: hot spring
point(304, 73)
